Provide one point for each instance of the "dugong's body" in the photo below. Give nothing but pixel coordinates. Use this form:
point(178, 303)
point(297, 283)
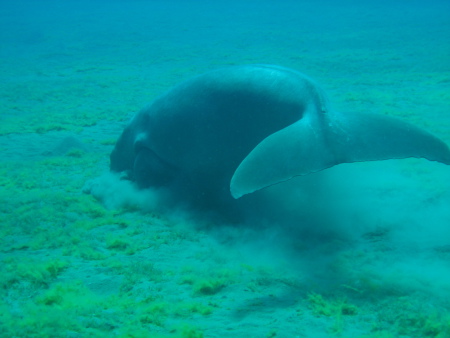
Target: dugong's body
point(236, 130)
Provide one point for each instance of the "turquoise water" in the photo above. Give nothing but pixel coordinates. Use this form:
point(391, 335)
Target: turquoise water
point(368, 254)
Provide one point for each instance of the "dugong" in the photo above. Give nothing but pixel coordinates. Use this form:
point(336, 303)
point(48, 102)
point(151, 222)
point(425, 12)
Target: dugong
point(236, 130)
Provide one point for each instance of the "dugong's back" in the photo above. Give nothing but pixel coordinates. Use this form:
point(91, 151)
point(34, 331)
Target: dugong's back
point(227, 112)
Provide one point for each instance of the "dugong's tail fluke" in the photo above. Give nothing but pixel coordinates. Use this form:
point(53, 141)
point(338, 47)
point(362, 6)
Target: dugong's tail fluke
point(369, 137)
point(311, 145)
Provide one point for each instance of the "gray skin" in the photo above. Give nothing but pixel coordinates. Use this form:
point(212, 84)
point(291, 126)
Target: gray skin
point(236, 130)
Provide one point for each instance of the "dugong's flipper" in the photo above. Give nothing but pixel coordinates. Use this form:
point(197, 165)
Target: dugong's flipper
point(316, 142)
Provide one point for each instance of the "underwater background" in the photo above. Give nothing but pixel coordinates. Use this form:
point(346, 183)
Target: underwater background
point(84, 254)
